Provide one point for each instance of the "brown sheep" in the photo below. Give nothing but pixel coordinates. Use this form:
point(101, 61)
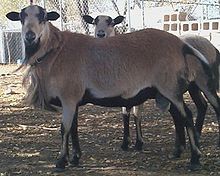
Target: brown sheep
point(104, 27)
point(116, 71)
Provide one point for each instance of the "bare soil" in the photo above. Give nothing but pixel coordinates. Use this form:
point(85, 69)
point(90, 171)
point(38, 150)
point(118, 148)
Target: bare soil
point(30, 139)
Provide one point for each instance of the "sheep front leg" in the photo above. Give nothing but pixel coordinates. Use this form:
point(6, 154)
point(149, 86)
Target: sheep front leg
point(126, 137)
point(75, 141)
point(67, 123)
point(137, 110)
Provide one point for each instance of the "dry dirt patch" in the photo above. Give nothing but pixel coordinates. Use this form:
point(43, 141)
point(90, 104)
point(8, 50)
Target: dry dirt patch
point(30, 139)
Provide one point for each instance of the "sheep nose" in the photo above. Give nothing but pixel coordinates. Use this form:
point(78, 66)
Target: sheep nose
point(101, 34)
point(30, 36)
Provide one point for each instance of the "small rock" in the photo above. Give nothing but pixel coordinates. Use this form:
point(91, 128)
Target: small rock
point(8, 91)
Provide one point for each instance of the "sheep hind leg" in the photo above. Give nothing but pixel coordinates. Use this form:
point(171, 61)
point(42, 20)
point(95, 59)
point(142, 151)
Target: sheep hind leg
point(214, 100)
point(201, 106)
point(194, 143)
point(126, 136)
point(180, 139)
point(217, 111)
point(186, 116)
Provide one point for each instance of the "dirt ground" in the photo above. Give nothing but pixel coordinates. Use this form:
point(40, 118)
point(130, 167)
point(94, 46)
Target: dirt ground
point(30, 139)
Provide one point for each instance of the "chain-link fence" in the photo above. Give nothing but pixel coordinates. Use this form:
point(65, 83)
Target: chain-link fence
point(71, 12)
point(138, 14)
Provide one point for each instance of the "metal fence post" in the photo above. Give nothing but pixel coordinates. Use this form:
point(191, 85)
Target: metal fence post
point(61, 15)
point(44, 3)
point(129, 15)
point(2, 53)
point(143, 13)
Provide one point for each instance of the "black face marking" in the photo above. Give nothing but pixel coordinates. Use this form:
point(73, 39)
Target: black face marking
point(31, 49)
point(109, 21)
point(41, 16)
point(96, 21)
point(23, 15)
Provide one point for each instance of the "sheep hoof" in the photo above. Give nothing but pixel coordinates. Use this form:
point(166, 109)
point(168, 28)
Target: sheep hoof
point(175, 155)
point(75, 161)
point(138, 146)
point(195, 163)
point(60, 165)
point(124, 147)
point(195, 167)
point(59, 170)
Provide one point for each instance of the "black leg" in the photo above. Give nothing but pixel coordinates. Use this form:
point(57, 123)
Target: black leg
point(201, 106)
point(216, 107)
point(214, 100)
point(126, 136)
point(180, 140)
point(137, 119)
point(186, 120)
point(75, 140)
point(217, 111)
point(62, 161)
point(139, 139)
point(194, 143)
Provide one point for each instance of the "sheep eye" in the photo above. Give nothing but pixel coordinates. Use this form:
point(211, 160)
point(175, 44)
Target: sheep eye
point(96, 21)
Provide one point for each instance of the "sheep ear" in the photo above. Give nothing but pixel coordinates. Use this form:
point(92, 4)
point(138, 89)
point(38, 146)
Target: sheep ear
point(118, 19)
point(88, 19)
point(14, 16)
point(52, 16)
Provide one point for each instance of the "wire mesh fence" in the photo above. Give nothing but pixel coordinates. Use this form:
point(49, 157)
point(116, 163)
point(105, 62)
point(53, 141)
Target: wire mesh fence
point(71, 12)
point(13, 54)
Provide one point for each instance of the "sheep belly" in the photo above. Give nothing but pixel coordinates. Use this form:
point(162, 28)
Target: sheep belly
point(119, 101)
